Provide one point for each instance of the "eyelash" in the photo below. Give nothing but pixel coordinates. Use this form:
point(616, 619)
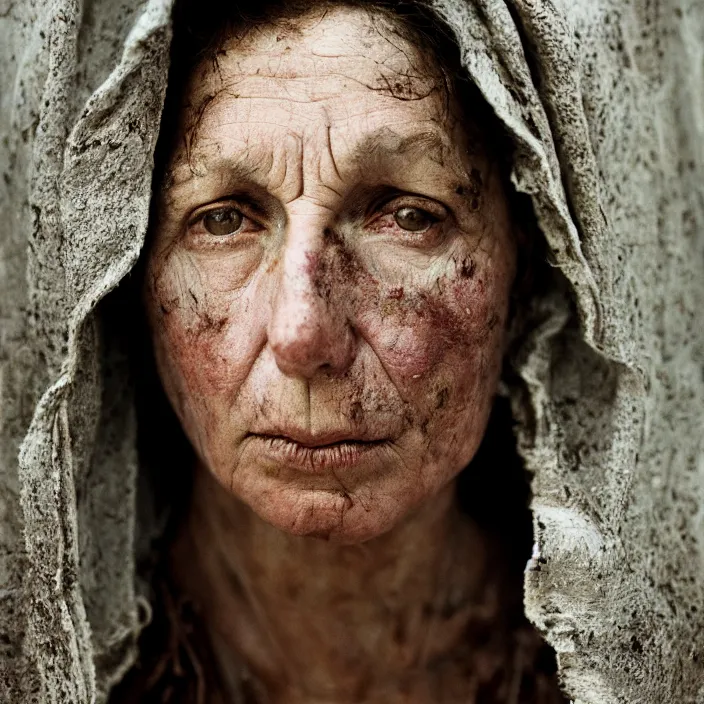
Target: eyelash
point(395, 205)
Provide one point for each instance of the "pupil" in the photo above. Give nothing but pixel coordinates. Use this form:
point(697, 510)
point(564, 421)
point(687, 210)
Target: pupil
point(223, 222)
point(411, 219)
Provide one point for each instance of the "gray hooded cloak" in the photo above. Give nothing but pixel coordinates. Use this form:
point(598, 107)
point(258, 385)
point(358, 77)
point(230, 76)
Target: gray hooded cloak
point(604, 100)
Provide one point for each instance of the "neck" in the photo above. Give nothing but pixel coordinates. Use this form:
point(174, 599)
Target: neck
point(318, 621)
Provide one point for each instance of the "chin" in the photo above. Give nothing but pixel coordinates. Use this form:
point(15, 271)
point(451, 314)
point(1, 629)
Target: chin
point(329, 515)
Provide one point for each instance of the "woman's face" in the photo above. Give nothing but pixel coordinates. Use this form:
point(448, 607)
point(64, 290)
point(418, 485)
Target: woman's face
point(329, 278)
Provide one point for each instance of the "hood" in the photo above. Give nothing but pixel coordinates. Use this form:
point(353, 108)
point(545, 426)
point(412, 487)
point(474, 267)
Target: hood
point(603, 101)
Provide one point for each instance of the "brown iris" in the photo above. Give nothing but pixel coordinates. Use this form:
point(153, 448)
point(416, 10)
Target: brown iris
point(225, 221)
point(413, 219)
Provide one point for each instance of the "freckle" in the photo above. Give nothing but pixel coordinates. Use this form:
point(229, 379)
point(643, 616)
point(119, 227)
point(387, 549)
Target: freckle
point(396, 293)
point(459, 191)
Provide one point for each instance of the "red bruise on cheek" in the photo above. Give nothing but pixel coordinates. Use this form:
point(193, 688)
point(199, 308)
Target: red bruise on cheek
point(455, 320)
point(414, 328)
point(201, 353)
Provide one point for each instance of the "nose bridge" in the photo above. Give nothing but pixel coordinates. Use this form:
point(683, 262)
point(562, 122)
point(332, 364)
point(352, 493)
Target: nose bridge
point(307, 331)
point(301, 258)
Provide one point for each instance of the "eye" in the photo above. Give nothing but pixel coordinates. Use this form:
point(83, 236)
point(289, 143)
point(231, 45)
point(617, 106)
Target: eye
point(223, 221)
point(413, 219)
point(410, 220)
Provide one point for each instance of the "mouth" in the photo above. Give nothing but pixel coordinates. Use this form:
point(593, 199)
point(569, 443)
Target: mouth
point(316, 456)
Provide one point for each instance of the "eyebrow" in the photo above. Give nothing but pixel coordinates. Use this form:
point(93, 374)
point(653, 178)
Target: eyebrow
point(385, 141)
point(375, 147)
point(185, 171)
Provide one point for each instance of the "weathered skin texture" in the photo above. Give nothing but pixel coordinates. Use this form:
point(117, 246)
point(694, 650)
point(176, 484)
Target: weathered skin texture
point(328, 288)
point(331, 369)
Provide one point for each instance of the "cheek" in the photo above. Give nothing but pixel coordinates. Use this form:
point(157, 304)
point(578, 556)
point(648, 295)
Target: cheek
point(442, 345)
point(200, 357)
point(453, 327)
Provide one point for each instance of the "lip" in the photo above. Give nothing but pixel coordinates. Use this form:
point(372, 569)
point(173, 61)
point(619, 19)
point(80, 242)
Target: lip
point(322, 438)
point(316, 454)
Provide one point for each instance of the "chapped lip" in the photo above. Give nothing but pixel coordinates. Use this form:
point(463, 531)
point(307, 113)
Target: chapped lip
point(306, 438)
point(315, 454)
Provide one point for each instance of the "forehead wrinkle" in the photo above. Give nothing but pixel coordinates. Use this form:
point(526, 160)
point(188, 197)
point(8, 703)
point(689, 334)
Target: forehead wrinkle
point(199, 119)
point(288, 98)
point(311, 61)
point(367, 29)
point(306, 89)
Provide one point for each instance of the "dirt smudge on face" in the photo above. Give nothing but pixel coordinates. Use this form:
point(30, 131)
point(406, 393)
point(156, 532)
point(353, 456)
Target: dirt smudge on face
point(356, 412)
point(467, 268)
point(441, 398)
point(448, 325)
point(208, 325)
point(474, 190)
point(349, 267)
point(336, 272)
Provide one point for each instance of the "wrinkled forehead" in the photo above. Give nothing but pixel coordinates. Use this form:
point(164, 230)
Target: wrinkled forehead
point(345, 68)
point(347, 80)
point(314, 55)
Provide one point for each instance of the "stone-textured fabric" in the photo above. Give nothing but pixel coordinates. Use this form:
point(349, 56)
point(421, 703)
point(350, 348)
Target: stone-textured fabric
point(604, 100)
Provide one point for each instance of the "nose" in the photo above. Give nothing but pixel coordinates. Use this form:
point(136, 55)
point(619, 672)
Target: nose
point(309, 332)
